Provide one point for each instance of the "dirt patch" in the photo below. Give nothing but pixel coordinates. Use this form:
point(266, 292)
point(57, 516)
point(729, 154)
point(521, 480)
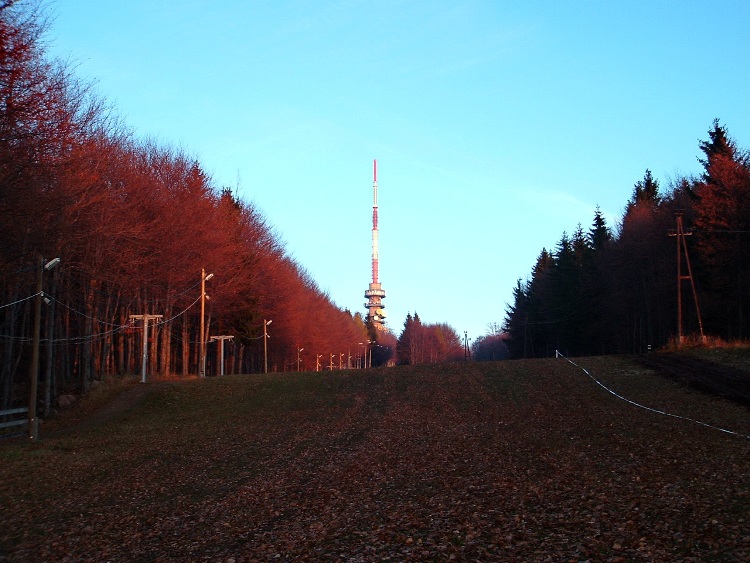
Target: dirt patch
point(122, 403)
point(708, 377)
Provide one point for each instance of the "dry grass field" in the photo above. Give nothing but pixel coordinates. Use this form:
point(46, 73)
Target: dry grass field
point(510, 461)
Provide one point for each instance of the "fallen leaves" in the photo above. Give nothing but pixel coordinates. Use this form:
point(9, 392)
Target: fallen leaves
point(510, 462)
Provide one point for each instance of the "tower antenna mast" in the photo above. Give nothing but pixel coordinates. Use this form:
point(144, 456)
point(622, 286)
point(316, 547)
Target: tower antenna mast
point(375, 293)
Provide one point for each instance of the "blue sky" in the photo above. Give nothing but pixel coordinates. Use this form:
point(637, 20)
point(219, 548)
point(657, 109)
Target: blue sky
point(496, 125)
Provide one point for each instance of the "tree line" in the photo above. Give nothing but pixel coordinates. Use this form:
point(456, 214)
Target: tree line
point(136, 225)
point(608, 290)
point(421, 343)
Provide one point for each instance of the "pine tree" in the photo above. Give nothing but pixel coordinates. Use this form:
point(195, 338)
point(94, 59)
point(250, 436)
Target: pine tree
point(646, 191)
point(515, 325)
point(722, 223)
point(540, 314)
point(599, 235)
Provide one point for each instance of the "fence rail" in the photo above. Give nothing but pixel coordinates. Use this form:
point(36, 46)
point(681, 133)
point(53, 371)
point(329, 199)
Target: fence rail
point(15, 421)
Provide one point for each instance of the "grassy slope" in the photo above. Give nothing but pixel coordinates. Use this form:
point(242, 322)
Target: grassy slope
point(508, 461)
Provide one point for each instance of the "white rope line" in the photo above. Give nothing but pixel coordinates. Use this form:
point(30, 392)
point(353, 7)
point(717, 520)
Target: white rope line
point(21, 300)
point(657, 411)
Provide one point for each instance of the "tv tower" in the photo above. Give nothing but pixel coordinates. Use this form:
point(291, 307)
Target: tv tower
point(375, 293)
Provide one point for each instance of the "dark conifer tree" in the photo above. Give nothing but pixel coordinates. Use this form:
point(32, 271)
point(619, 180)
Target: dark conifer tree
point(599, 236)
point(722, 223)
point(515, 325)
point(646, 191)
point(540, 316)
point(595, 287)
point(404, 348)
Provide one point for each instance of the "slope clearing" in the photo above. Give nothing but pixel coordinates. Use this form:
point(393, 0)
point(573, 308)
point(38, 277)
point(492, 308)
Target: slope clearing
point(512, 461)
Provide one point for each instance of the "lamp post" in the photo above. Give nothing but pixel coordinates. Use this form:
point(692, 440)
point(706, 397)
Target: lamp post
point(367, 344)
point(220, 339)
point(34, 369)
point(144, 358)
point(202, 358)
point(317, 362)
point(265, 344)
point(298, 351)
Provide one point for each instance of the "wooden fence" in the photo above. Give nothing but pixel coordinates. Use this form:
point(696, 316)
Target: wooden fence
point(10, 421)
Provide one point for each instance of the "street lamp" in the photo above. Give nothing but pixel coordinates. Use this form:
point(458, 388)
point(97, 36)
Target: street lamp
point(34, 369)
point(365, 344)
point(317, 362)
point(220, 339)
point(202, 359)
point(298, 351)
point(265, 344)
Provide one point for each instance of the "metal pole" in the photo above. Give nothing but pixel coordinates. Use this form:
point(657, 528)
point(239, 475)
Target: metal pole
point(34, 370)
point(692, 282)
point(221, 356)
point(202, 353)
point(679, 281)
point(145, 349)
point(265, 346)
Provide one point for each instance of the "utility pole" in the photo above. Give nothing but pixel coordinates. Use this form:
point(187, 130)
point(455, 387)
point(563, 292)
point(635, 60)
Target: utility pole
point(145, 319)
point(265, 344)
point(317, 362)
point(467, 352)
point(220, 340)
point(202, 354)
point(298, 351)
point(682, 247)
point(34, 369)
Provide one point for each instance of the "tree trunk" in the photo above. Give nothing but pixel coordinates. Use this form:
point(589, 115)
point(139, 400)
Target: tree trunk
point(185, 347)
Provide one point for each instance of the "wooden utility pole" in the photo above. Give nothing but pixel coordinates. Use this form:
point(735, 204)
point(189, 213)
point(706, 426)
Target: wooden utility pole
point(221, 340)
point(202, 349)
point(682, 248)
point(265, 344)
point(145, 319)
point(34, 369)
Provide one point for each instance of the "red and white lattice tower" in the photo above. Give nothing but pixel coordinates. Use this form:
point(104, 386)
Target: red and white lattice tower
point(375, 293)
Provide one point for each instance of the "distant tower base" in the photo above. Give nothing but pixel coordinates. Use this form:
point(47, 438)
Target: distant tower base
point(374, 305)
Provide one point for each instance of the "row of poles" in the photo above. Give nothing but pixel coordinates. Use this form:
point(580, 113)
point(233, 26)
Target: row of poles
point(44, 266)
point(221, 339)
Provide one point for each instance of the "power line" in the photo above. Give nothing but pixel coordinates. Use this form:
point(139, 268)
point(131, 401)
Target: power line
point(651, 409)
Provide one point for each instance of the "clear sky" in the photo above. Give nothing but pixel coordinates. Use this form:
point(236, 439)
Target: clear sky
point(496, 125)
